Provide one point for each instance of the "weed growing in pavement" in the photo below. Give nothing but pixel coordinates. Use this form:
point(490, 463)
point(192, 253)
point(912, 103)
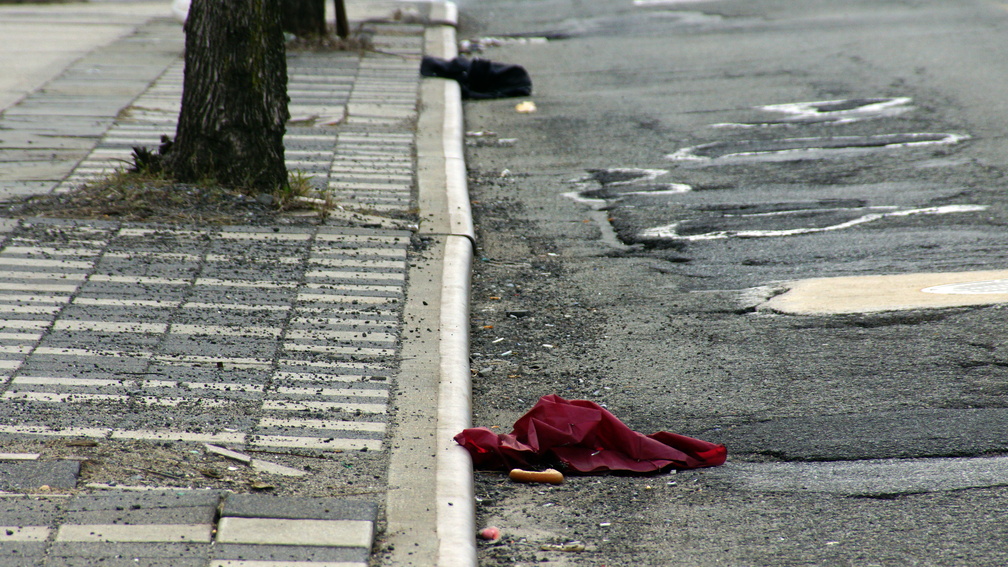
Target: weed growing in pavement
point(301, 194)
point(298, 188)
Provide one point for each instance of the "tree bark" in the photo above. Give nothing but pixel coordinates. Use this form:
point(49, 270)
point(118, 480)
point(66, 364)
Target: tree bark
point(304, 17)
point(234, 101)
point(342, 24)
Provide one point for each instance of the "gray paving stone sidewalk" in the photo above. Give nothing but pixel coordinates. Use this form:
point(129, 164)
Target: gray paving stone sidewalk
point(184, 528)
point(260, 340)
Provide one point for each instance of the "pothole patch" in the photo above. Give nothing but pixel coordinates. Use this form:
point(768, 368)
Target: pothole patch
point(874, 294)
point(604, 186)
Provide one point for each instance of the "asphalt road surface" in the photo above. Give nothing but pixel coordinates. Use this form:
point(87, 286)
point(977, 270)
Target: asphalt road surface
point(685, 162)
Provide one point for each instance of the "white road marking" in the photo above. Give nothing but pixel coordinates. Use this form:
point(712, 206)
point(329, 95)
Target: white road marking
point(670, 231)
point(807, 148)
point(971, 288)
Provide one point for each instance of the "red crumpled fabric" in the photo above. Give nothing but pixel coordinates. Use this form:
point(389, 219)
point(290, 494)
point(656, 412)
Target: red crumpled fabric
point(587, 438)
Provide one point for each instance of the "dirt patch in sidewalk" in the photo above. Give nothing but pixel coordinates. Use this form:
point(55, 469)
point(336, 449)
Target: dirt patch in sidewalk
point(158, 464)
point(150, 202)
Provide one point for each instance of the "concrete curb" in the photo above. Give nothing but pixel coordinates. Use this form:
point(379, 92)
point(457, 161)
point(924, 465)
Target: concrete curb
point(456, 513)
point(456, 503)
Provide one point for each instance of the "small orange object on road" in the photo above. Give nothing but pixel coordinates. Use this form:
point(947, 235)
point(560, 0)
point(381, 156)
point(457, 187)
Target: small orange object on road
point(550, 476)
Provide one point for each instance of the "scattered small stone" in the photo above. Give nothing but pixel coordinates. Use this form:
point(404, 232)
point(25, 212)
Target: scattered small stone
point(570, 546)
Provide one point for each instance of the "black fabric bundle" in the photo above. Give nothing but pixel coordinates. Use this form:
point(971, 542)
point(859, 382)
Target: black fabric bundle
point(479, 78)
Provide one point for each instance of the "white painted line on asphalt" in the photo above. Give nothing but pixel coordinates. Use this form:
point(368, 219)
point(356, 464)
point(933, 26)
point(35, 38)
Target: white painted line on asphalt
point(671, 231)
point(806, 148)
point(971, 288)
point(814, 109)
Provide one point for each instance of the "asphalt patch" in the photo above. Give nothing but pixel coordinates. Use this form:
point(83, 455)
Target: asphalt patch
point(905, 434)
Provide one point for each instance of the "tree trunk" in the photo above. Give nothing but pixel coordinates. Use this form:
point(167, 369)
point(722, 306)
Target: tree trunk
point(342, 24)
point(304, 17)
point(234, 101)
